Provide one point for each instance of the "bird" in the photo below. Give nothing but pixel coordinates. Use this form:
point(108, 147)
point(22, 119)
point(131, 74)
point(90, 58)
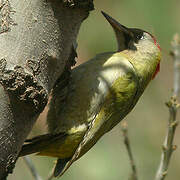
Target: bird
point(101, 92)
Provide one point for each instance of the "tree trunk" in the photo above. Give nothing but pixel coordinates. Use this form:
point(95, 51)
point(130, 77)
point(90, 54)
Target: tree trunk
point(36, 38)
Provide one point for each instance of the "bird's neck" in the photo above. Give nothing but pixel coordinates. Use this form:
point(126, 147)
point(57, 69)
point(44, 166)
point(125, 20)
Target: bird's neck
point(145, 63)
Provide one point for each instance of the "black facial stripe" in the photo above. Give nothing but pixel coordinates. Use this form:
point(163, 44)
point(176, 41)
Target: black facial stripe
point(138, 34)
point(127, 39)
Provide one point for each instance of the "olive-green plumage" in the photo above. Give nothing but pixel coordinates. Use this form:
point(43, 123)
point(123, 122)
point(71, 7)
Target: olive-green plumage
point(101, 93)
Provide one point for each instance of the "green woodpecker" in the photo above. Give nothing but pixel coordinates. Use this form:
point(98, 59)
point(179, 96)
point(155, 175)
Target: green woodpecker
point(102, 92)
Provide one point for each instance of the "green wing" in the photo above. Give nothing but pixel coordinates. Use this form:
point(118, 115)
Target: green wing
point(117, 104)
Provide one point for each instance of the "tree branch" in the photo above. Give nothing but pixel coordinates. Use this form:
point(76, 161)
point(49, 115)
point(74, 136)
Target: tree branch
point(31, 167)
point(36, 42)
point(173, 106)
point(128, 147)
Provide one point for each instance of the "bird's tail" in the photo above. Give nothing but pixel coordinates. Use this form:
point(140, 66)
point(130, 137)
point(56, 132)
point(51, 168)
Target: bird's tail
point(39, 143)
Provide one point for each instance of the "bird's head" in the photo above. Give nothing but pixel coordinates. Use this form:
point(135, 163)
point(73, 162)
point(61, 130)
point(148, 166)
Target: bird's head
point(137, 44)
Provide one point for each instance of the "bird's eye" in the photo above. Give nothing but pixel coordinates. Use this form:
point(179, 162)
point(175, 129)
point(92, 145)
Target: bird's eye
point(140, 37)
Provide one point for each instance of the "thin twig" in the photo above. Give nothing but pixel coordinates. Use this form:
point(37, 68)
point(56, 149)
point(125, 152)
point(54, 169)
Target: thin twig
point(31, 167)
point(173, 106)
point(176, 55)
point(51, 175)
point(128, 147)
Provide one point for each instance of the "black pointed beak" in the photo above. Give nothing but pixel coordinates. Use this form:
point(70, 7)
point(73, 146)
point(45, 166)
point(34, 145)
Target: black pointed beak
point(116, 25)
point(123, 34)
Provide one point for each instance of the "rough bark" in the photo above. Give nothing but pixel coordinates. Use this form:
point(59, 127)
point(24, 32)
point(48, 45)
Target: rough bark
point(36, 42)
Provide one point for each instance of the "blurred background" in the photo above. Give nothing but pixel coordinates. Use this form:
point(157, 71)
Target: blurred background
point(148, 121)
